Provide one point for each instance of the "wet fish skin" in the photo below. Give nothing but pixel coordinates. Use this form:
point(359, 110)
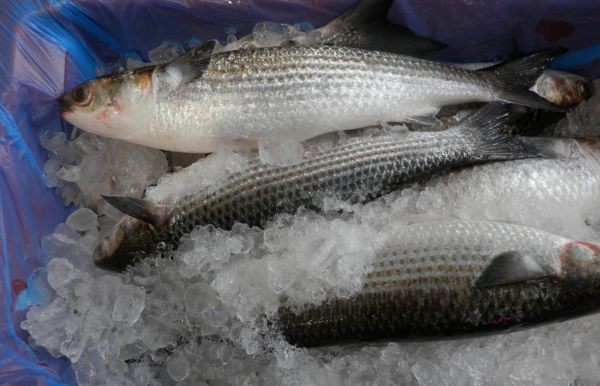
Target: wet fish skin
point(568, 183)
point(448, 278)
point(359, 171)
point(199, 102)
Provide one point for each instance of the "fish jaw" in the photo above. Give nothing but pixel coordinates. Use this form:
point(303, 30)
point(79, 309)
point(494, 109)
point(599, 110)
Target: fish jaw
point(119, 120)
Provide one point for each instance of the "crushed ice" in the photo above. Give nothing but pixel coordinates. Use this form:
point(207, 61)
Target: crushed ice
point(201, 318)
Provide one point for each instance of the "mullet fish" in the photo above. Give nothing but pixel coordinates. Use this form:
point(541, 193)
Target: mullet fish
point(200, 101)
point(452, 278)
point(359, 171)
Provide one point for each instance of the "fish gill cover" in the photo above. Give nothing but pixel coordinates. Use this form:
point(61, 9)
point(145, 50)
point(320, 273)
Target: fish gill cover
point(50, 46)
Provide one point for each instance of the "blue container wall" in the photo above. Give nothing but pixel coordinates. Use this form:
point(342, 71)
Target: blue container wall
point(50, 46)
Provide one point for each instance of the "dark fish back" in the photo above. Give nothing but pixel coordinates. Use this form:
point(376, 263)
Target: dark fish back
point(449, 309)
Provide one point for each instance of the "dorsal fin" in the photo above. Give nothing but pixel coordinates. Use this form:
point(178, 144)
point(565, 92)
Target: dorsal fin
point(366, 26)
point(191, 64)
point(512, 267)
point(146, 211)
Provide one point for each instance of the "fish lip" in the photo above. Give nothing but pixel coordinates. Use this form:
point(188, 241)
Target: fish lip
point(64, 108)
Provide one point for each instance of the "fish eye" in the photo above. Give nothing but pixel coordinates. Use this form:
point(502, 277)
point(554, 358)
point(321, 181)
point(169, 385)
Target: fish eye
point(81, 95)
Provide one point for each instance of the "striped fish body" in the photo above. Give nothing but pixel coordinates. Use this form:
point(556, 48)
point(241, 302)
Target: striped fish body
point(358, 171)
point(453, 277)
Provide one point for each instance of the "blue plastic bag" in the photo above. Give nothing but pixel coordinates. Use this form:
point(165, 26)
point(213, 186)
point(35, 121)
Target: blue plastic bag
point(50, 46)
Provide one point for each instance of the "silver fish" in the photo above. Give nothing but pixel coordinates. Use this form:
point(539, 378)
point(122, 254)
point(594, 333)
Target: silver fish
point(359, 171)
point(199, 102)
point(561, 195)
point(452, 278)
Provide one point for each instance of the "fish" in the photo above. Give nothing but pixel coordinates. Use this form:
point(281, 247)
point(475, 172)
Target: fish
point(454, 278)
point(559, 87)
point(560, 194)
point(364, 25)
point(358, 171)
point(200, 102)
point(563, 88)
point(581, 122)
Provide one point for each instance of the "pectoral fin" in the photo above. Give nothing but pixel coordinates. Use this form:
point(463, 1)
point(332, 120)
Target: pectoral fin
point(512, 267)
point(190, 65)
point(146, 211)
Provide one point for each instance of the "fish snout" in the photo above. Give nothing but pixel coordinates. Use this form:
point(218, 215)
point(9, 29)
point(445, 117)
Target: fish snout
point(65, 107)
point(104, 253)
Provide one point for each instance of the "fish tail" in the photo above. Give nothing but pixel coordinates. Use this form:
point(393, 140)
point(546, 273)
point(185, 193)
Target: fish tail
point(514, 78)
point(491, 143)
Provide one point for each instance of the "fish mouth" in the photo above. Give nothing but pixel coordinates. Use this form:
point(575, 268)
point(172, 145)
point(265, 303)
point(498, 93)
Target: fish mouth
point(64, 108)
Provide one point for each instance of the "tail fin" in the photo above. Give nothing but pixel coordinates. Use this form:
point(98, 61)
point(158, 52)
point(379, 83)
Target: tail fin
point(514, 78)
point(490, 141)
point(365, 25)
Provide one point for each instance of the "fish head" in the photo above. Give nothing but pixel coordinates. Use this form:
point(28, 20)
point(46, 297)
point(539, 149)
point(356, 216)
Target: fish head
point(128, 240)
point(116, 106)
point(564, 89)
point(581, 259)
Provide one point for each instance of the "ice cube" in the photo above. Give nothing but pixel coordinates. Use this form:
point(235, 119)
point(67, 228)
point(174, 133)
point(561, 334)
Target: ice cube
point(131, 64)
point(134, 167)
point(178, 366)
point(68, 155)
point(90, 239)
point(231, 32)
point(70, 194)
point(52, 140)
point(82, 220)
point(192, 42)
point(60, 272)
point(46, 325)
point(280, 153)
point(70, 173)
point(200, 176)
point(428, 373)
point(39, 289)
point(93, 168)
point(167, 51)
point(88, 143)
point(304, 26)
point(129, 305)
point(51, 168)
point(65, 230)
point(57, 245)
point(269, 34)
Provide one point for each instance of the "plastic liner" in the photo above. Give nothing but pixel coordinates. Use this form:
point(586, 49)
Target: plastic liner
point(50, 46)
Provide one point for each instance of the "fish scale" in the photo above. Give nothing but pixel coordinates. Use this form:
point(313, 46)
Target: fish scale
point(382, 163)
point(355, 172)
point(422, 285)
point(206, 99)
point(338, 88)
